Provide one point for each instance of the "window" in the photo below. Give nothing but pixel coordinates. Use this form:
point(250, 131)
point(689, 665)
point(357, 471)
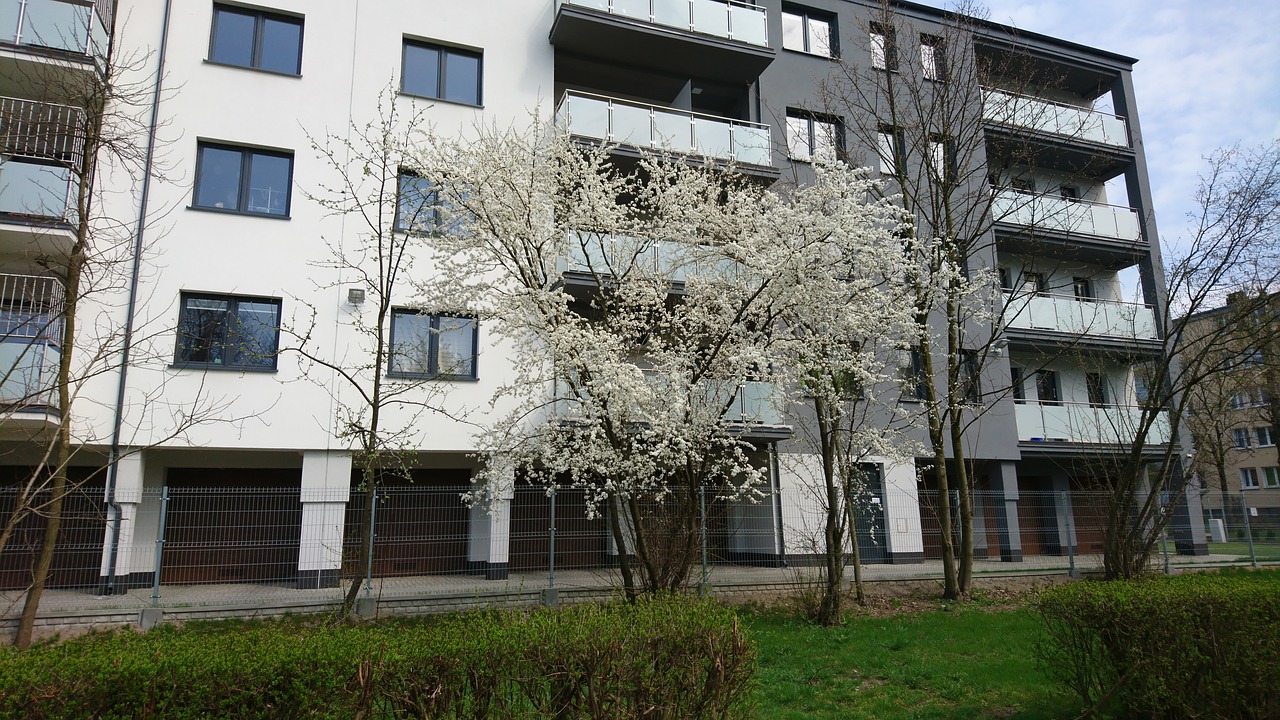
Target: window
point(969, 382)
point(1240, 438)
point(1096, 386)
point(808, 32)
point(884, 51)
point(1271, 477)
point(1047, 387)
point(810, 138)
point(1251, 358)
point(1266, 436)
point(1083, 288)
point(941, 160)
point(1015, 375)
point(256, 39)
point(1248, 478)
point(441, 73)
point(1023, 184)
point(1069, 192)
point(932, 58)
point(254, 182)
point(889, 146)
point(433, 346)
point(417, 203)
point(913, 376)
point(228, 331)
point(1006, 279)
point(1034, 282)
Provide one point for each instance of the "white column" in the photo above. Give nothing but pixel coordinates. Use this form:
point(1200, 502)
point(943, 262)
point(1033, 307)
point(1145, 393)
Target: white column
point(489, 536)
point(326, 487)
point(132, 561)
point(902, 513)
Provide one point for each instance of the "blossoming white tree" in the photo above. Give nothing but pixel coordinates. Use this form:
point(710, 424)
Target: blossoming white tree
point(644, 308)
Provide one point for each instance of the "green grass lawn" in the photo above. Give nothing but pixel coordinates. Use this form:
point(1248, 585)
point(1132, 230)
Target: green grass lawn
point(1265, 549)
point(971, 662)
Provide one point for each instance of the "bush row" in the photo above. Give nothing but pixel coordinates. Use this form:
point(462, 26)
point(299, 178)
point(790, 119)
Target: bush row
point(1189, 646)
point(672, 657)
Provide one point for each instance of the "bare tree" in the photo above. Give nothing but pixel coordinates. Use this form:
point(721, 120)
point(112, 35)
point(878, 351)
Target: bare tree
point(382, 388)
point(1234, 246)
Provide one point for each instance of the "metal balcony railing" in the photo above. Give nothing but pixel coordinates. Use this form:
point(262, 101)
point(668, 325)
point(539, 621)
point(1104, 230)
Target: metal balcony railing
point(31, 321)
point(656, 128)
point(617, 255)
point(1080, 316)
point(1084, 423)
point(78, 26)
point(1047, 116)
point(1048, 212)
point(42, 146)
point(728, 19)
point(750, 403)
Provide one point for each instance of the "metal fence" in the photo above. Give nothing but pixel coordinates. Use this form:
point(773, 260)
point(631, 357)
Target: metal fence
point(282, 546)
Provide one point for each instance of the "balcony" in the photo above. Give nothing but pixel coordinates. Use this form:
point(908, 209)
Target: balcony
point(30, 338)
point(1050, 214)
point(1045, 116)
point(659, 129)
point(1081, 319)
point(593, 255)
point(752, 406)
point(725, 40)
point(1085, 424)
point(69, 27)
point(40, 144)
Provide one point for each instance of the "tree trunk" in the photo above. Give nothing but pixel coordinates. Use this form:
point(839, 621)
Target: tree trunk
point(624, 559)
point(829, 611)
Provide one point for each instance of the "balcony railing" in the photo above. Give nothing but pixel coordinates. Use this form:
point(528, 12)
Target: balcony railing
point(78, 26)
point(1081, 423)
point(1047, 212)
point(727, 19)
point(1080, 316)
point(662, 129)
point(1046, 116)
point(41, 143)
point(616, 255)
point(30, 337)
point(750, 403)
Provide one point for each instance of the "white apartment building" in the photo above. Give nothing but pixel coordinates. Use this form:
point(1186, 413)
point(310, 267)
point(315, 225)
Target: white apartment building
point(233, 246)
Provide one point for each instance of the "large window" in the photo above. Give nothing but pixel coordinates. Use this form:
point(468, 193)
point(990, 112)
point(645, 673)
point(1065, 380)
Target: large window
point(441, 73)
point(1248, 478)
point(890, 143)
point(1271, 477)
point(884, 51)
point(812, 138)
point(1240, 438)
point(256, 39)
point(433, 346)
point(932, 57)
point(809, 32)
point(417, 203)
point(243, 180)
point(228, 331)
point(1266, 436)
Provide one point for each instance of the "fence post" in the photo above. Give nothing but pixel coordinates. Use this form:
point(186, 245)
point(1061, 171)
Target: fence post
point(955, 505)
point(1248, 530)
point(702, 522)
point(1071, 540)
point(551, 560)
point(368, 563)
point(164, 512)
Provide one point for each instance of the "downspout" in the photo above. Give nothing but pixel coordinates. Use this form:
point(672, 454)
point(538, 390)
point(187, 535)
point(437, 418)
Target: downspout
point(114, 459)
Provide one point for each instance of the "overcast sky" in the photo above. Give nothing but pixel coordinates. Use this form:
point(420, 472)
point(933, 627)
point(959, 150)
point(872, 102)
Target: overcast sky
point(1208, 75)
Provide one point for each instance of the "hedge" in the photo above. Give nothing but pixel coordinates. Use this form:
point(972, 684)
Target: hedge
point(1189, 646)
point(672, 657)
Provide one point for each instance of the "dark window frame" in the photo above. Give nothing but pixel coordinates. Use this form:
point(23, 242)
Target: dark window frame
point(444, 51)
point(806, 14)
point(812, 120)
point(1047, 385)
point(232, 301)
point(433, 347)
point(260, 17)
point(242, 192)
point(431, 221)
point(898, 142)
point(890, 46)
point(939, 45)
point(1096, 389)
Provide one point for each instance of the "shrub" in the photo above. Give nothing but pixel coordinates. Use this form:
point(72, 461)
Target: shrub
point(672, 657)
point(1190, 646)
